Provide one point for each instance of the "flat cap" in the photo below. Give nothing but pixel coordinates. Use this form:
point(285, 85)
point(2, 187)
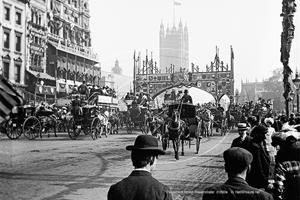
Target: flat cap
point(237, 159)
point(260, 130)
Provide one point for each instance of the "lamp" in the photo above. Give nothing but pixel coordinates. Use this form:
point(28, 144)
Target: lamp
point(296, 82)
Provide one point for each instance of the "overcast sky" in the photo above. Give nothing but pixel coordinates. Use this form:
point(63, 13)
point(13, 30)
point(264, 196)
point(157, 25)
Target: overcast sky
point(251, 27)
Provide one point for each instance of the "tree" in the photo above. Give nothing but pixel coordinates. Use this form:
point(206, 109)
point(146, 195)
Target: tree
point(273, 86)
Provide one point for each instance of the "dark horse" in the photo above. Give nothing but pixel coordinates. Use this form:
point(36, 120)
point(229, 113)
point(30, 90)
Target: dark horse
point(176, 128)
point(115, 122)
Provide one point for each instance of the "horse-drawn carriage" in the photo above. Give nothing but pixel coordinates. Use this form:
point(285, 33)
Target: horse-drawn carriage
point(181, 124)
point(88, 121)
point(30, 121)
point(135, 117)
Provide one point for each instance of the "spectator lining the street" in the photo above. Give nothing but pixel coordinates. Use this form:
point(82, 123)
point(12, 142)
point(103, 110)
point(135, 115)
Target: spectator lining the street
point(259, 173)
point(140, 184)
point(237, 166)
point(243, 140)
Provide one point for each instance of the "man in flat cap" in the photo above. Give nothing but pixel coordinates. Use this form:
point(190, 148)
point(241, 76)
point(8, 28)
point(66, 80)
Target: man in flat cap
point(237, 165)
point(243, 140)
point(140, 184)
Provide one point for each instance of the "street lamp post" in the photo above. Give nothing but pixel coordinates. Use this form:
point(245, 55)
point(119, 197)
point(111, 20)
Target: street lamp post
point(296, 81)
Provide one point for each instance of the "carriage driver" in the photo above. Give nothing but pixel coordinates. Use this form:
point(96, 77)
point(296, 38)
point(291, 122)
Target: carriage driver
point(76, 106)
point(186, 97)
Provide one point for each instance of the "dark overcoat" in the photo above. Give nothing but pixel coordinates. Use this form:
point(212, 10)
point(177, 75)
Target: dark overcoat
point(235, 188)
point(237, 142)
point(259, 173)
point(139, 185)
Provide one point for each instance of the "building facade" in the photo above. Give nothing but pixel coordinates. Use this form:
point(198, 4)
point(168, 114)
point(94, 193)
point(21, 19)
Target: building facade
point(173, 47)
point(252, 91)
point(70, 57)
point(13, 43)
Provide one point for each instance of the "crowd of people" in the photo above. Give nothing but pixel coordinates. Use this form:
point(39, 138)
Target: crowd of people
point(88, 91)
point(263, 162)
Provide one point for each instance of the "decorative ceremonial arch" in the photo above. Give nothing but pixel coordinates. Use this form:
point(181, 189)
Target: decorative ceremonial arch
point(218, 79)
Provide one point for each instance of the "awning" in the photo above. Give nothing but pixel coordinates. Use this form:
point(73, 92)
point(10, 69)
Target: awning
point(41, 75)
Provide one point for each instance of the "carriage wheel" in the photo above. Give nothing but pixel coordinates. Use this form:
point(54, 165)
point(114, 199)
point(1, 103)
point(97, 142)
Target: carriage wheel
point(73, 129)
point(13, 130)
point(95, 128)
point(31, 127)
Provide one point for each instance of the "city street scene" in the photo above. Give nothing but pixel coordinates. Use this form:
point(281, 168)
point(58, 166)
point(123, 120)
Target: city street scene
point(160, 99)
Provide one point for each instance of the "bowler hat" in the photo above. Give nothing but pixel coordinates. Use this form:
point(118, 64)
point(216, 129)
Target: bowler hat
point(237, 159)
point(146, 143)
point(242, 127)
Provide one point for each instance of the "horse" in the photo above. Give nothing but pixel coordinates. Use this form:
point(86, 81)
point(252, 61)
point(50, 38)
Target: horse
point(114, 121)
point(206, 122)
point(104, 124)
point(47, 118)
point(155, 125)
point(176, 128)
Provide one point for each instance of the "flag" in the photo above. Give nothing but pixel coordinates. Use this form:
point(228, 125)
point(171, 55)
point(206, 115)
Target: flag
point(9, 98)
point(177, 3)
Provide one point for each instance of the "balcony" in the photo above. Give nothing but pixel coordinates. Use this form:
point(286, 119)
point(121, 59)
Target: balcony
point(78, 50)
point(37, 26)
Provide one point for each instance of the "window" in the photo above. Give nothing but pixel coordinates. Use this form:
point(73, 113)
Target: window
point(18, 18)
point(7, 13)
point(75, 3)
point(17, 73)
point(18, 42)
point(75, 19)
point(6, 69)
point(6, 39)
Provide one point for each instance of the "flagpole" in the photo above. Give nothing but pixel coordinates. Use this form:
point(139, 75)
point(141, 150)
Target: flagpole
point(173, 12)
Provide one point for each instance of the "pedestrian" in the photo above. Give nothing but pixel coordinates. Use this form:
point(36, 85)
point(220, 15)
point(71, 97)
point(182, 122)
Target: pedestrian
point(243, 140)
point(140, 184)
point(287, 170)
point(237, 166)
point(259, 173)
point(270, 149)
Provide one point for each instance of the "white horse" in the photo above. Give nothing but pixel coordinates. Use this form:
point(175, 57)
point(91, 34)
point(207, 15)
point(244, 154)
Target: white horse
point(104, 124)
point(207, 119)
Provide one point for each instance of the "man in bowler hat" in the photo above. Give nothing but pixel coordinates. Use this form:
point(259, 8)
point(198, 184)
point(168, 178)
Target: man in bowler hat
point(140, 184)
point(237, 166)
point(243, 140)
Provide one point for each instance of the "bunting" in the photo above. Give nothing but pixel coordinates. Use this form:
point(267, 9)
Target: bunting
point(9, 98)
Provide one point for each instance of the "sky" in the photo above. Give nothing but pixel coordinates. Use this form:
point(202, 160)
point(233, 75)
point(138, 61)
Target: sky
point(252, 27)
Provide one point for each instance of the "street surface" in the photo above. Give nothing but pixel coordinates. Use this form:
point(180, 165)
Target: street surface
point(61, 168)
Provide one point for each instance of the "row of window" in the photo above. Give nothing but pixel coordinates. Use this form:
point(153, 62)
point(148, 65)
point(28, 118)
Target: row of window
point(6, 40)
point(18, 15)
point(17, 70)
